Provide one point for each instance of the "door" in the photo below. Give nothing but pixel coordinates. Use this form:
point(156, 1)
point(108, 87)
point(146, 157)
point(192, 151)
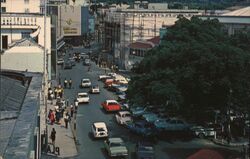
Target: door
point(4, 42)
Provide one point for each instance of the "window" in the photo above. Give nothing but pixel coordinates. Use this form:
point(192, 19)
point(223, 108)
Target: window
point(26, 1)
point(3, 9)
point(27, 10)
point(3, 1)
point(5, 42)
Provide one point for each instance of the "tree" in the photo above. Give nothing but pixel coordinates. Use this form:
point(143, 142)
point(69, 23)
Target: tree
point(195, 67)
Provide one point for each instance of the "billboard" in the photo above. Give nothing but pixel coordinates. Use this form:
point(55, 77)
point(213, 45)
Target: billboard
point(70, 20)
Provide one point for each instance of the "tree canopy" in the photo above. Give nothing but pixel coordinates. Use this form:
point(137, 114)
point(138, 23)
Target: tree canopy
point(194, 69)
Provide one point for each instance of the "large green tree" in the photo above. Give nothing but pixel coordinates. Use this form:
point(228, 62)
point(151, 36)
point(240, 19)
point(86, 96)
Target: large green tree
point(194, 69)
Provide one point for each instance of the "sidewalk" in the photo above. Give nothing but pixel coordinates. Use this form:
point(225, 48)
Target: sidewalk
point(233, 143)
point(64, 138)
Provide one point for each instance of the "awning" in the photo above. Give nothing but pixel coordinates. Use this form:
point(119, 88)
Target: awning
point(60, 44)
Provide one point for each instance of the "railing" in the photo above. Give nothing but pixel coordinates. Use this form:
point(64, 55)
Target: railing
point(17, 20)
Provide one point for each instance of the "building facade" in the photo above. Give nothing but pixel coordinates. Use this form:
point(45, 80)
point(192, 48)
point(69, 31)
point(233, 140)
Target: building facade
point(20, 6)
point(122, 27)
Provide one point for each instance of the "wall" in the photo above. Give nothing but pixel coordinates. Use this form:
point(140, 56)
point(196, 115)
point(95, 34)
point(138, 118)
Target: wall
point(20, 6)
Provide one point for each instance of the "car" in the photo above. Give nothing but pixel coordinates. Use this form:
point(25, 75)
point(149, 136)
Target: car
point(86, 62)
point(94, 89)
point(68, 65)
point(160, 124)
point(174, 125)
point(99, 130)
point(85, 83)
point(123, 117)
point(82, 98)
point(115, 147)
point(120, 79)
point(111, 105)
point(142, 127)
point(202, 132)
point(103, 77)
point(150, 117)
point(144, 150)
point(60, 61)
point(138, 111)
point(84, 55)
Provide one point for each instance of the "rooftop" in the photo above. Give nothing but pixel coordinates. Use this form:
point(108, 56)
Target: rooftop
point(239, 12)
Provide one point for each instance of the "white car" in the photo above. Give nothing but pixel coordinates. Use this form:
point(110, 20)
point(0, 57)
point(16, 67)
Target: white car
point(122, 117)
point(102, 77)
point(99, 129)
point(85, 83)
point(115, 147)
point(82, 98)
point(95, 89)
point(60, 61)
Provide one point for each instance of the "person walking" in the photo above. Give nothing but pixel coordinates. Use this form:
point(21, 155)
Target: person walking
point(66, 120)
point(53, 136)
point(76, 105)
point(71, 110)
point(65, 83)
point(70, 83)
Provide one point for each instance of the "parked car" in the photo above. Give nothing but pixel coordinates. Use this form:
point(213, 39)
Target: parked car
point(138, 111)
point(82, 98)
point(85, 83)
point(123, 117)
point(115, 147)
point(111, 105)
point(150, 117)
point(86, 62)
point(84, 55)
point(94, 89)
point(60, 61)
point(202, 132)
point(142, 128)
point(67, 65)
point(120, 79)
point(103, 77)
point(72, 60)
point(174, 125)
point(99, 130)
point(144, 150)
point(160, 124)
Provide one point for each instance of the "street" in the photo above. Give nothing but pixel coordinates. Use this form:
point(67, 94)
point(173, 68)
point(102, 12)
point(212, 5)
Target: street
point(89, 148)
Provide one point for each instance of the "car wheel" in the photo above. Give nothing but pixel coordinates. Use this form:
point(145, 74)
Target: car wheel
point(201, 135)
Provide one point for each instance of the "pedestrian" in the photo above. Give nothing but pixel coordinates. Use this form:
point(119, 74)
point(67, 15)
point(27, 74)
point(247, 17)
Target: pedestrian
point(52, 117)
point(70, 83)
point(57, 116)
point(49, 115)
point(55, 92)
point(65, 83)
point(76, 105)
point(66, 120)
point(71, 110)
point(53, 137)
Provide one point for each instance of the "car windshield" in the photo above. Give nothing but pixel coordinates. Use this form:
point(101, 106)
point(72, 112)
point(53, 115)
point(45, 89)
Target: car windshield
point(146, 149)
point(83, 95)
point(85, 81)
point(116, 144)
point(112, 103)
point(100, 129)
point(95, 87)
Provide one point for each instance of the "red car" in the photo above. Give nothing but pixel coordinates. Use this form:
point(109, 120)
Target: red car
point(111, 105)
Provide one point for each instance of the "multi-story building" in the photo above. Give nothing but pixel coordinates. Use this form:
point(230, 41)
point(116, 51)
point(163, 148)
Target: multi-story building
point(124, 26)
point(20, 6)
point(17, 24)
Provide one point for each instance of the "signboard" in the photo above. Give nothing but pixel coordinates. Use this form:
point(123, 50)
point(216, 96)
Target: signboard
point(70, 20)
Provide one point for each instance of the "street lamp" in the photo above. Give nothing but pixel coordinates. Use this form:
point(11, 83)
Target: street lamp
point(229, 112)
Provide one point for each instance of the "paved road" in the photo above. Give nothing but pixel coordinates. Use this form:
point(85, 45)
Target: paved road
point(89, 148)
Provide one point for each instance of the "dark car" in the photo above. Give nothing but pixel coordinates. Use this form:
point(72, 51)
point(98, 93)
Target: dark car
point(68, 65)
point(144, 150)
point(142, 128)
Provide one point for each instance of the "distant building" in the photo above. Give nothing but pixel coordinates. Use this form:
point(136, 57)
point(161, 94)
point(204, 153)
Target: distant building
point(235, 21)
point(20, 6)
point(121, 27)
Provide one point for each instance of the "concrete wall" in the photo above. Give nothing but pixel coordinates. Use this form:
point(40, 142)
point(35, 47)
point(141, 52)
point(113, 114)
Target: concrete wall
point(21, 60)
point(22, 6)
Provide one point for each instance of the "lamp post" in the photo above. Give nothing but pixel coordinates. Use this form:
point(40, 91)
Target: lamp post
point(228, 113)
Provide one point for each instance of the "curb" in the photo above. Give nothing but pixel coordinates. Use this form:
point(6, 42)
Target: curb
point(231, 144)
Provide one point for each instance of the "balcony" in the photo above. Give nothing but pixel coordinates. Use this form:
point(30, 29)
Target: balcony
point(19, 21)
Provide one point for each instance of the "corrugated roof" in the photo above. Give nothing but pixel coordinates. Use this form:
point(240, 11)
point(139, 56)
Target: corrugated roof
point(240, 12)
point(12, 94)
point(141, 45)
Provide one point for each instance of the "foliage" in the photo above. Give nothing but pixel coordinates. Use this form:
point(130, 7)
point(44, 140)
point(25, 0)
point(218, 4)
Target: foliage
point(194, 68)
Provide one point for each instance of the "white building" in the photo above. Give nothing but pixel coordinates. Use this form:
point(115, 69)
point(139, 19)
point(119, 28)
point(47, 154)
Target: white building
point(125, 26)
point(20, 6)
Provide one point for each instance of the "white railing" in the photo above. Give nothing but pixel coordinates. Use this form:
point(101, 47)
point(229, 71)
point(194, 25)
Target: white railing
point(18, 20)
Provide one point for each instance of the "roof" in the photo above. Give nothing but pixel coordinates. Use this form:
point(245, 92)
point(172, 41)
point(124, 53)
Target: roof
point(206, 154)
point(82, 93)
point(111, 101)
point(25, 42)
point(239, 12)
point(155, 40)
point(100, 124)
point(148, 44)
point(116, 139)
point(124, 112)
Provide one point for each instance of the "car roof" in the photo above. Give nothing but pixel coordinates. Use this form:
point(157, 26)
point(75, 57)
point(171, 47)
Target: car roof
point(82, 93)
point(85, 79)
point(99, 124)
point(124, 112)
point(109, 101)
point(116, 139)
